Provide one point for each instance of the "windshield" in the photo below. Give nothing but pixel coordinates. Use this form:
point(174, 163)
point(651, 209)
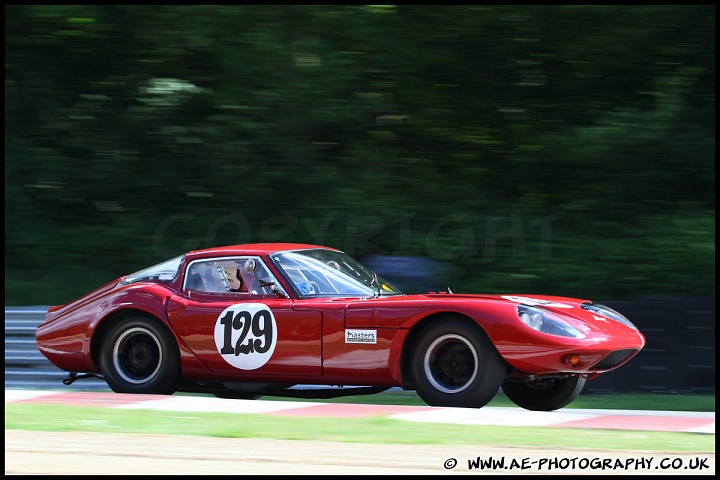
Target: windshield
point(165, 272)
point(319, 272)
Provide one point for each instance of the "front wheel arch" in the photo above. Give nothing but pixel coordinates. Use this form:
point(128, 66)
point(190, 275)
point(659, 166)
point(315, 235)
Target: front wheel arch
point(412, 337)
point(453, 363)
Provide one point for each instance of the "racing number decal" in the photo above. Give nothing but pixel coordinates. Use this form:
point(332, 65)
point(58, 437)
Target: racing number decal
point(246, 335)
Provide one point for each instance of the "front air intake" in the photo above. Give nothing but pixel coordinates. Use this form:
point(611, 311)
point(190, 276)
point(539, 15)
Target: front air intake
point(615, 359)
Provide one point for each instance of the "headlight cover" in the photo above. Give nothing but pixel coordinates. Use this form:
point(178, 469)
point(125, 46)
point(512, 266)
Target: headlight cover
point(545, 322)
point(608, 312)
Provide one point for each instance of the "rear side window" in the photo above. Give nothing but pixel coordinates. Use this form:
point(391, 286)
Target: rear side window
point(166, 271)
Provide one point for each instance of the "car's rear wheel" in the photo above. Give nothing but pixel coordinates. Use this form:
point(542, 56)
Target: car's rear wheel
point(544, 395)
point(139, 355)
point(454, 364)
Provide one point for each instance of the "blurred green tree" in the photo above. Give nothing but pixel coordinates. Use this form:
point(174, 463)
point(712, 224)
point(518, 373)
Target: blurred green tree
point(550, 149)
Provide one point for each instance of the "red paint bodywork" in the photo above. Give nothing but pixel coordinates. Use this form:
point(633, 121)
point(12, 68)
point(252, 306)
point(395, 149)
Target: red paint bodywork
point(311, 347)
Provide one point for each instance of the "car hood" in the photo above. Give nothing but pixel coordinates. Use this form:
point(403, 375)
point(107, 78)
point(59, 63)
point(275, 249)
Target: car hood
point(548, 302)
point(495, 311)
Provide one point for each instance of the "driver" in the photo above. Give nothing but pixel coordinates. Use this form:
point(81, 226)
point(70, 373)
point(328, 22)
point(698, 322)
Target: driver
point(234, 279)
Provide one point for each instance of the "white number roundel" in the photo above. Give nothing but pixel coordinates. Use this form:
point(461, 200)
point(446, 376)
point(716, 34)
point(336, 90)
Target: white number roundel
point(246, 335)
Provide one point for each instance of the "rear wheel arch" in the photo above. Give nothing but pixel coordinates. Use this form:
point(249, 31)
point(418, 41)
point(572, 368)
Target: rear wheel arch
point(110, 321)
point(138, 353)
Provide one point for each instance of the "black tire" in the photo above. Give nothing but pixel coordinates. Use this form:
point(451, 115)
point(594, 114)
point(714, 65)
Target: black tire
point(139, 355)
point(454, 364)
point(544, 395)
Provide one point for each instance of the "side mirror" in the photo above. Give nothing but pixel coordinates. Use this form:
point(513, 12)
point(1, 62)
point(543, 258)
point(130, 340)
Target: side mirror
point(273, 288)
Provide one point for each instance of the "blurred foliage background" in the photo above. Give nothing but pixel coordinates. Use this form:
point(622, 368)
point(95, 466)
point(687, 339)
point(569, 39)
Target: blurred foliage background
point(528, 149)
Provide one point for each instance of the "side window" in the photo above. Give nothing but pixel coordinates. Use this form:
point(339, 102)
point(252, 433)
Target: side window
point(247, 275)
point(205, 277)
point(256, 276)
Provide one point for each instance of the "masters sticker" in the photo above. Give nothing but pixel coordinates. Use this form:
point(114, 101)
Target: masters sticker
point(246, 335)
point(360, 336)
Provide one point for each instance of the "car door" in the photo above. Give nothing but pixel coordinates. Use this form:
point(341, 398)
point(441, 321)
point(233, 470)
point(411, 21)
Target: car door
point(248, 334)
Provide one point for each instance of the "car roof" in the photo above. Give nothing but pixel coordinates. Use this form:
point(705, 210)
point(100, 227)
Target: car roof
point(252, 249)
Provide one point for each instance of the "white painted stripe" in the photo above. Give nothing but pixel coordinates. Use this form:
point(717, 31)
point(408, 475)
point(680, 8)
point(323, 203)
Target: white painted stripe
point(19, 395)
point(500, 416)
point(225, 405)
point(642, 413)
point(709, 428)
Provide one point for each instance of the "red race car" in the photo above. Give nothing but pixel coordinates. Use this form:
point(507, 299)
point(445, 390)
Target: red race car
point(262, 319)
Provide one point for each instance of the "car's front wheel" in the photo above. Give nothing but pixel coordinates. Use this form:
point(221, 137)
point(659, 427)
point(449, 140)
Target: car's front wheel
point(139, 355)
point(454, 364)
point(544, 395)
